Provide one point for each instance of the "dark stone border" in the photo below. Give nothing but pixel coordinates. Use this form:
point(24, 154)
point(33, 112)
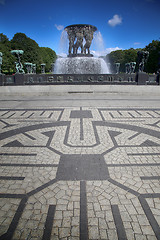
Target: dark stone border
point(78, 79)
point(118, 222)
point(27, 165)
point(49, 222)
point(19, 154)
point(11, 178)
point(83, 212)
point(150, 178)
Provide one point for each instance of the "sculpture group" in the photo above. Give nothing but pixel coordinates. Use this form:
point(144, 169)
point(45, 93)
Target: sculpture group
point(130, 67)
point(80, 36)
point(142, 58)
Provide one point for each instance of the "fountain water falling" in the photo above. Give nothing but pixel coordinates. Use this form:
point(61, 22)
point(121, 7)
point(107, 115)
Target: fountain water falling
point(80, 59)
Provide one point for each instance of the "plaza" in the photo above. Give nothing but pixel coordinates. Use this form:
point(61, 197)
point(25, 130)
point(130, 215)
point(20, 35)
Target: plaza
point(80, 165)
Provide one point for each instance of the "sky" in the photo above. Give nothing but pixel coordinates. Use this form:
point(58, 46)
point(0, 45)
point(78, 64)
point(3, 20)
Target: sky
point(121, 24)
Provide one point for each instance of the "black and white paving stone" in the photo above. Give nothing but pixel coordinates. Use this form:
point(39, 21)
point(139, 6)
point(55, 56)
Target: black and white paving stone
point(80, 173)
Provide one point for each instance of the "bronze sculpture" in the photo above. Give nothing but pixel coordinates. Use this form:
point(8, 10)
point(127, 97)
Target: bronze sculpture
point(80, 36)
point(88, 36)
point(117, 65)
point(130, 67)
point(142, 59)
point(71, 37)
point(79, 42)
point(0, 61)
point(19, 66)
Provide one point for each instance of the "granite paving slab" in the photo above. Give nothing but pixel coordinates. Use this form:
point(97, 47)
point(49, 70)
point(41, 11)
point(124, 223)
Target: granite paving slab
point(80, 173)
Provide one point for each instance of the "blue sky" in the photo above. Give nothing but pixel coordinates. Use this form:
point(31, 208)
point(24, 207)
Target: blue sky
point(123, 24)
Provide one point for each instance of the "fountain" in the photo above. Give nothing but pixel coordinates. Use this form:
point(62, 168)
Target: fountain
point(80, 36)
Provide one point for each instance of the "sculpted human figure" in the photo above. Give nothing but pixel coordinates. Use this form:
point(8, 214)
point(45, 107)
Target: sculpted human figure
point(43, 68)
point(117, 67)
point(132, 67)
point(158, 62)
point(33, 68)
point(28, 67)
point(79, 42)
point(88, 36)
point(0, 61)
point(19, 66)
point(71, 37)
point(142, 59)
point(127, 65)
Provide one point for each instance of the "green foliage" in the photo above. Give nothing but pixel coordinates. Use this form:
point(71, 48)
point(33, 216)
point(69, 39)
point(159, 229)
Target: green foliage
point(48, 56)
point(154, 56)
point(29, 46)
point(8, 65)
point(3, 38)
point(32, 53)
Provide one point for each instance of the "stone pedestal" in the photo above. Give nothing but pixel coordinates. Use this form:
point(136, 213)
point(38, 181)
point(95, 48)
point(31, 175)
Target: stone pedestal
point(1, 79)
point(19, 79)
point(142, 78)
point(158, 78)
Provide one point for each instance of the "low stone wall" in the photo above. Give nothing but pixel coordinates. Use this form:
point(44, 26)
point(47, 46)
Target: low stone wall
point(78, 79)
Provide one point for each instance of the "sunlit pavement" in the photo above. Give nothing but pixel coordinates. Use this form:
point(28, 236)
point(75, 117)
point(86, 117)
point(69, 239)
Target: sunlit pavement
point(80, 166)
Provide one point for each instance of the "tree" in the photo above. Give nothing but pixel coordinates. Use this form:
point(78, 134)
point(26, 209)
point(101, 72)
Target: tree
point(154, 56)
point(8, 66)
point(29, 46)
point(48, 57)
point(3, 38)
point(32, 52)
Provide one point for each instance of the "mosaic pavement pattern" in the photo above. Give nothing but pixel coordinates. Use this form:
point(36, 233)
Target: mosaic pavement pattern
point(80, 173)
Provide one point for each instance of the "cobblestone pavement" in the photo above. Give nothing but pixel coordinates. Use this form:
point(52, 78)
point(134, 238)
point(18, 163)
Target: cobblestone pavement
point(80, 173)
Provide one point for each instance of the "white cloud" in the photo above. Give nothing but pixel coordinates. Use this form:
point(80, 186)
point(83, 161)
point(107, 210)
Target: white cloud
point(59, 27)
point(116, 20)
point(2, 2)
point(104, 52)
point(137, 43)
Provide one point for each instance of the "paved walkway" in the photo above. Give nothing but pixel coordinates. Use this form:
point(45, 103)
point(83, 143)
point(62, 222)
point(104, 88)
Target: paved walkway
point(80, 167)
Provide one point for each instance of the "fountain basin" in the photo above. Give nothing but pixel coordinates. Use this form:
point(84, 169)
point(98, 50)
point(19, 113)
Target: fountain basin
point(81, 65)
